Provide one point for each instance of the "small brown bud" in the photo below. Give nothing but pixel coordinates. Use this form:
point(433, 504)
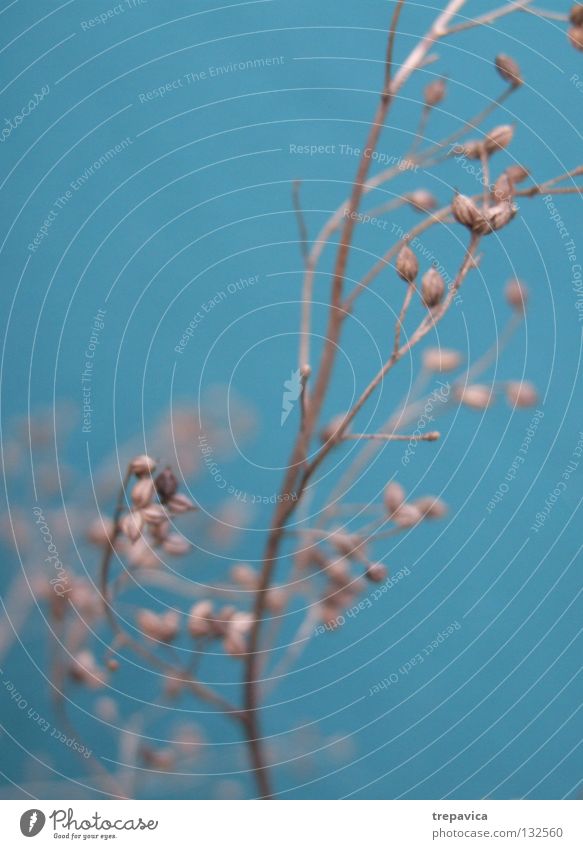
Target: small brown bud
point(330, 431)
point(112, 664)
point(422, 201)
point(166, 484)
point(434, 92)
point(576, 15)
point(154, 514)
point(476, 396)
point(508, 69)
point(143, 492)
point(407, 265)
point(521, 394)
point(376, 572)
point(499, 138)
point(441, 359)
point(516, 295)
point(432, 288)
point(503, 188)
point(465, 211)
point(142, 465)
point(576, 37)
point(394, 495)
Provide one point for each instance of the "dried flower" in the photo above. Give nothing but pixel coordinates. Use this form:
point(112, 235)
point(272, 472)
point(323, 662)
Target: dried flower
point(476, 396)
point(498, 138)
point(407, 265)
point(166, 484)
point(576, 15)
point(142, 465)
point(163, 627)
point(516, 294)
point(508, 69)
point(470, 150)
point(180, 503)
point(394, 495)
point(422, 201)
point(434, 92)
point(200, 619)
point(576, 37)
point(521, 394)
point(376, 572)
point(441, 359)
point(432, 288)
point(498, 217)
point(465, 211)
point(143, 492)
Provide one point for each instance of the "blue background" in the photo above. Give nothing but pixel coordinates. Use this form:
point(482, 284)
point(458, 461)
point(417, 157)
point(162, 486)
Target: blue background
point(201, 198)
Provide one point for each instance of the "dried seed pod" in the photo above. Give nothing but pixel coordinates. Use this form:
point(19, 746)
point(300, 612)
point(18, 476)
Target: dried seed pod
point(180, 503)
point(521, 394)
point(434, 92)
point(131, 525)
point(431, 507)
point(376, 572)
point(154, 514)
point(517, 173)
point(422, 200)
point(244, 576)
point(465, 211)
point(432, 288)
point(476, 396)
point(142, 465)
point(349, 545)
point(503, 188)
point(498, 216)
point(516, 295)
point(470, 150)
point(576, 37)
point(200, 619)
point(235, 644)
point(441, 359)
point(338, 572)
point(85, 670)
point(143, 492)
point(330, 431)
point(393, 496)
point(576, 15)
point(176, 545)
point(275, 600)
point(166, 484)
point(407, 265)
point(407, 516)
point(499, 138)
point(508, 69)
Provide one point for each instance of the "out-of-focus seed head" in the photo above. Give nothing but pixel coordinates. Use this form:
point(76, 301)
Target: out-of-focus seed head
point(162, 627)
point(131, 525)
point(509, 69)
point(521, 394)
point(499, 138)
point(85, 670)
point(516, 294)
point(393, 496)
point(330, 431)
point(142, 465)
point(576, 37)
point(576, 15)
point(470, 150)
point(376, 572)
point(407, 516)
point(407, 264)
point(166, 484)
point(244, 576)
point(143, 492)
point(422, 200)
point(465, 211)
point(431, 507)
point(497, 217)
point(432, 288)
point(276, 600)
point(200, 619)
point(338, 571)
point(180, 503)
point(441, 359)
point(434, 92)
point(176, 545)
point(154, 514)
point(100, 531)
point(112, 664)
point(503, 188)
point(476, 396)
point(349, 545)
